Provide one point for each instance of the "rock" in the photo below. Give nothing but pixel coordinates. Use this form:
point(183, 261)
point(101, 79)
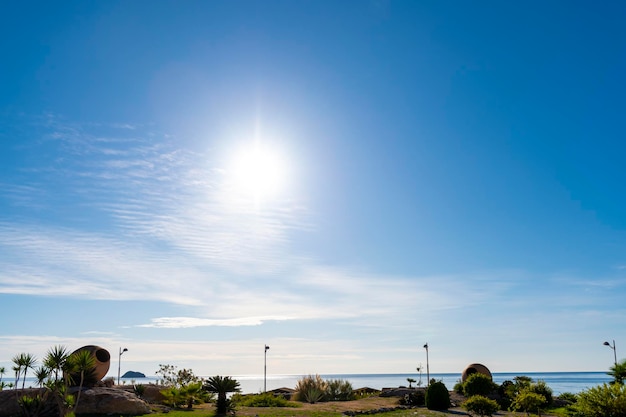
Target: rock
point(8, 400)
point(98, 400)
point(111, 401)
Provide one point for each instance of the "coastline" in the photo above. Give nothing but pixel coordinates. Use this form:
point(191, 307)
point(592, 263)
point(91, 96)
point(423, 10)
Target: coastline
point(560, 382)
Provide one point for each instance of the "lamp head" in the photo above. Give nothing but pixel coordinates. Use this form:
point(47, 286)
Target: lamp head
point(606, 344)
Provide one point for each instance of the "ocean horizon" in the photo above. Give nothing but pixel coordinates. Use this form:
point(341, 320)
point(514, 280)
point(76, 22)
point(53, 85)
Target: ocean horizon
point(560, 382)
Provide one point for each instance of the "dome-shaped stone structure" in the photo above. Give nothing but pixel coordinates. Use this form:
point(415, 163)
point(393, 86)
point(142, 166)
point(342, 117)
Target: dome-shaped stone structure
point(475, 368)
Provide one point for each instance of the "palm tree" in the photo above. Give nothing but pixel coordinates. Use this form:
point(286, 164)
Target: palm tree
point(410, 381)
point(18, 371)
point(29, 363)
point(221, 386)
point(23, 362)
point(55, 360)
point(2, 372)
point(82, 363)
point(618, 372)
point(42, 373)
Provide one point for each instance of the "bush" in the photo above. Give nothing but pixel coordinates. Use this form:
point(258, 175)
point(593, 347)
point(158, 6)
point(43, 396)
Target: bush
point(339, 390)
point(417, 399)
point(529, 402)
point(606, 400)
point(478, 384)
point(458, 387)
point(437, 396)
point(261, 400)
point(541, 388)
point(311, 389)
point(568, 397)
point(481, 405)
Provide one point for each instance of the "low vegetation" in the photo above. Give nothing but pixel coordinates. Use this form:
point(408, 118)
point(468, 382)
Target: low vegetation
point(219, 395)
point(313, 388)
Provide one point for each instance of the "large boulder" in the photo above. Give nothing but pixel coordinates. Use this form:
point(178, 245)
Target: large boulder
point(102, 400)
point(98, 400)
point(8, 400)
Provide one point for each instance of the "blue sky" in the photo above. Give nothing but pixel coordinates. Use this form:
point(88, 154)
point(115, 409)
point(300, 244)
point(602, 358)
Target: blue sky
point(343, 181)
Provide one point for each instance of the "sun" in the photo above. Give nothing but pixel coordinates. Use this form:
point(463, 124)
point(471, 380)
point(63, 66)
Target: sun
point(259, 171)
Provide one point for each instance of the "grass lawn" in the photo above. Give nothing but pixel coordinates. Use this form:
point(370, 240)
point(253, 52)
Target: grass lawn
point(331, 409)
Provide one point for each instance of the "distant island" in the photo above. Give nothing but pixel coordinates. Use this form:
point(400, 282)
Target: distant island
point(133, 374)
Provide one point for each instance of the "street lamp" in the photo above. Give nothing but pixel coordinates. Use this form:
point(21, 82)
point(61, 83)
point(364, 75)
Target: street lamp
point(612, 347)
point(265, 369)
point(119, 364)
point(427, 367)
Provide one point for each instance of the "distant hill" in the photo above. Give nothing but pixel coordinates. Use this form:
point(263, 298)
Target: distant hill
point(133, 374)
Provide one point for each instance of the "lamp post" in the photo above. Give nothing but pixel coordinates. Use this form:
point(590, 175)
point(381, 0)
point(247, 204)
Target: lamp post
point(612, 347)
point(265, 369)
point(119, 364)
point(427, 367)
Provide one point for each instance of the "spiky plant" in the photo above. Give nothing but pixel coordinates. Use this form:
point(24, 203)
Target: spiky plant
point(55, 360)
point(221, 385)
point(83, 364)
point(618, 372)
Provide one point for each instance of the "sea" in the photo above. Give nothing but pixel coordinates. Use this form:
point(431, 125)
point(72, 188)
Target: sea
point(560, 382)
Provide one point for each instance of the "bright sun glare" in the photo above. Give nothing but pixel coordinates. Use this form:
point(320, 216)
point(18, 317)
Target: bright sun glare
point(259, 171)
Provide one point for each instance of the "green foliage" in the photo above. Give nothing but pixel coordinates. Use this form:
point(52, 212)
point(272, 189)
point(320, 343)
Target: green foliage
point(186, 395)
point(83, 364)
point(139, 390)
point(313, 389)
point(339, 390)
point(222, 386)
point(310, 389)
point(540, 387)
point(265, 399)
point(606, 400)
point(30, 406)
point(437, 396)
point(618, 372)
point(458, 387)
point(568, 397)
point(416, 398)
point(529, 402)
point(172, 397)
point(481, 406)
point(170, 375)
point(478, 384)
point(22, 363)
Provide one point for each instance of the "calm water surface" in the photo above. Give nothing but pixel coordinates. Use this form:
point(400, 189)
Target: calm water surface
point(560, 382)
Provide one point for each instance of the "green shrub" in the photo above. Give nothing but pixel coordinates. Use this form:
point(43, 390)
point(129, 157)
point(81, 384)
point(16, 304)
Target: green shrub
point(530, 402)
point(339, 390)
point(481, 405)
point(265, 399)
point(458, 387)
point(417, 398)
point(478, 384)
point(541, 388)
point(311, 389)
point(437, 396)
point(568, 397)
point(606, 400)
